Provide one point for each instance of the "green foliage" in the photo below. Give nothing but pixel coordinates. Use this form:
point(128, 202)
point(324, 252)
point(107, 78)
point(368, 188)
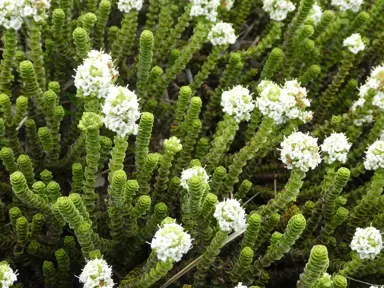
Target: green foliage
point(61, 205)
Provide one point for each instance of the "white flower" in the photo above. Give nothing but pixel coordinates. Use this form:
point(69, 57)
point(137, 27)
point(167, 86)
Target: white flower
point(97, 273)
point(230, 215)
point(316, 14)
point(365, 119)
point(283, 103)
point(354, 43)
point(345, 5)
point(300, 151)
point(278, 9)
point(205, 8)
point(336, 148)
point(238, 103)
point(227, 4)
point(7, 276)
point(240, 285)
point(194, 171)
point(172, 144)
point(367, 242)
point(126, 6)
point(171, 242)
point(222, 34)
point(95, 75)
point(375, 156)
point(121, 109)
point(14, 12)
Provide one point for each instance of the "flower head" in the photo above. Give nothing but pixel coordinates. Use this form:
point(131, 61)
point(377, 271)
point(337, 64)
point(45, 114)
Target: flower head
point(222, 34)
point(374, 158)
point(238, 103)
point(194, 171)
point(173, 144)
point(7, 276)
point(336, 148)
point(97, 273)
point(13, 13)
point(94, 77)
point(278, 9)
point(354, 43)
point(227, 4)
point(121, 109)
point(283, 103)
point(345, 5)
point(126, 6)
point(316, 14)
point(205, 8)
point(90, 121)
point(300, 151)
point(230, 215)
point(171, 242)
point(367, 242)
point(240, 285)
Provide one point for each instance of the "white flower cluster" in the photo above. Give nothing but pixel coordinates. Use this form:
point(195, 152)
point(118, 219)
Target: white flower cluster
point(374, 158)
point(278, 9)
point(205, 8)
point(375, 81)
point(171, 242)
point(230, 215)
point(336, 148)
point(121, 109)
point(316, 14)
point(96, 273)
point(238, 103)
point(126, 6)
point(345, 5)
point(7, 276)
point(14, 12)
point(222, 34)
point(240, 285)
point(283, 103)
point(300, 151)
point(95, 76)
point(367, 242)
point(227, 4)
point(194, 171)
point(354, 43)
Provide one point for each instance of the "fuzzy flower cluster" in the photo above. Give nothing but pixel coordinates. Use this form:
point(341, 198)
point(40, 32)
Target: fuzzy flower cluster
point(14, 12)
point(126, 6)
point(7, 276)
point(238, 103)
point(336, 148)
point(240, 285)
point(171, 242)
point(222, 34)
point(278, 9)
point(316, 14)
point(345, 5)
point(374, 158)
point(230, 215)
point(367, 242)
point(283, 103)
point(354, 43)
point(194, 171)
point(97, 273)
point(121, 109)
point(96, 75)
point(300, 151)
point(205, 8)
